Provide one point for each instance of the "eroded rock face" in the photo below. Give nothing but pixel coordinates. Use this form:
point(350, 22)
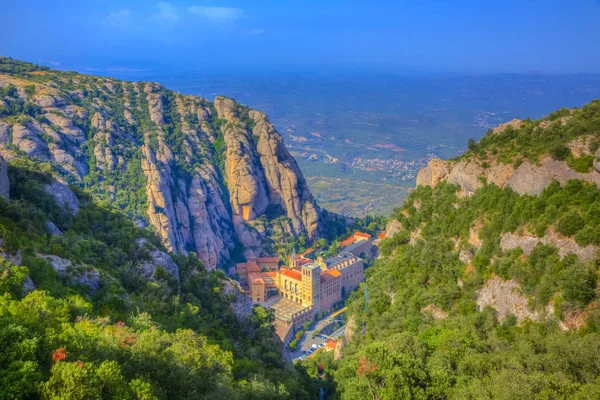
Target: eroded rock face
point(506, 298)
point(393, 226)
point(565, 245)
point(263, 175)
point(241, 305)
point(529, 178)
point(155, 258)
point(192, 202)
point(435, 171)
point(63, 196)
point(79, 274)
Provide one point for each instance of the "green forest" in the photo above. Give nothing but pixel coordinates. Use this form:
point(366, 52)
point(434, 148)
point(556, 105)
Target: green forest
point(132, 338)
point(422, 333)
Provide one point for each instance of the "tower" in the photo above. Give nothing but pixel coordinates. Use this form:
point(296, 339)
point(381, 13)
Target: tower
point(311, 285)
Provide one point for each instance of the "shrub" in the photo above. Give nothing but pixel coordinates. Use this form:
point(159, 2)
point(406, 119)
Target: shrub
point(560, 152)
point(570, 223)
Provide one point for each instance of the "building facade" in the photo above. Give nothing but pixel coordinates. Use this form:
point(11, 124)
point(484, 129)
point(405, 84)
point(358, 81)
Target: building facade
point(307, 287)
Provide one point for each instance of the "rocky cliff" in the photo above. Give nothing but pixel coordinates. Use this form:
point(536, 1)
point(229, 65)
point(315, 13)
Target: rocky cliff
point(560, 148)
point(201, 174)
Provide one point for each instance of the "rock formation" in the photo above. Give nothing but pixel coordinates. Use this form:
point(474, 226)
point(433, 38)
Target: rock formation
point(528, 178)
point(200, 174)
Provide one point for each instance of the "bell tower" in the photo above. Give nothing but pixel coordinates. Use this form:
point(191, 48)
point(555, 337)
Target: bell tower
point(311, 286)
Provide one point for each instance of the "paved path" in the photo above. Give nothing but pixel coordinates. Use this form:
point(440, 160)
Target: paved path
point(307, 340)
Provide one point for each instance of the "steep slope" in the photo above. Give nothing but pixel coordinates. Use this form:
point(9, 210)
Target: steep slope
point(526, 155)
point(199, 173)
point(92, 307)
point(487, 283)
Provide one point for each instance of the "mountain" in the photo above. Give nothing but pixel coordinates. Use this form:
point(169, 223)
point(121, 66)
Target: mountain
point(210, 177)
point(486, 287)
point(94, 304)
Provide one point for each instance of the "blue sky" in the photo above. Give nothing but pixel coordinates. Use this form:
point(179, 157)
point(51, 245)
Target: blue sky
point(472, 36)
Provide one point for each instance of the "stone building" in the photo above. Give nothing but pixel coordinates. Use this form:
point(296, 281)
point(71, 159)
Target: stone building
point(306, 288)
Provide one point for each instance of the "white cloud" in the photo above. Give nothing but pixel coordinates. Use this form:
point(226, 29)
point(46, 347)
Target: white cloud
point(258, 31)
point(166, 12)
point(117, 18)
point(218, 14)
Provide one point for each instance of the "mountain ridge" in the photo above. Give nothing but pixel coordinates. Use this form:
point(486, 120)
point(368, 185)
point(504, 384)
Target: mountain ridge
point(200, 173)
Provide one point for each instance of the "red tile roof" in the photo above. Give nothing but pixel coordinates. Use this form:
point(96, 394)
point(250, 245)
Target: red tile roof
point(361, 234)
point(267, 259)
point(331, 343)
point(347, 242)
point(329, 275)
point(252, 268)
point(255, 277)
point(308, 251)
point(292, 274)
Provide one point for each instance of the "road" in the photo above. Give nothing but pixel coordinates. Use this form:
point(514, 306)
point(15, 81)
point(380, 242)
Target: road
point(308, 341)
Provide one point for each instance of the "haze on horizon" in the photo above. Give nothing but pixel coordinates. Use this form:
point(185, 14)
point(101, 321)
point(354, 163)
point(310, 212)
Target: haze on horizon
point(432, 36)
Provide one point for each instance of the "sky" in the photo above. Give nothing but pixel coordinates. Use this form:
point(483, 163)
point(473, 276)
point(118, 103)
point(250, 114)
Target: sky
point(416, 36)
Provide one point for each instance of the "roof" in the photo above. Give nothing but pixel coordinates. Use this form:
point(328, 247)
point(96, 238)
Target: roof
point(255, 277)
point(303, 260)
point(361, 234)
point(268, 259)
point(343, 256)
point(382, 235)
point(329, 275)
point(331, 343)
point(308, 251)
point(292, 274)
point(252, 268)
point(348, 241)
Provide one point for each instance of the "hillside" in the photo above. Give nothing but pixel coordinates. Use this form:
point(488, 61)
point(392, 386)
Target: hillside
point(93, 307)
point(210, 177)
point(487, 283)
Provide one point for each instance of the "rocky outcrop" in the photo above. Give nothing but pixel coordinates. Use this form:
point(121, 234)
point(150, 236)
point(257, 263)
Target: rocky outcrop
point(52, 229)
point(392, 227)
point(434, 311)
point(260, 173)
point(435, 171)
point(28, 285)
point(506, 299)
point(77, 274)
point(529, 178)
point(152, 258)
point(241, 305)
point(63, 196)
point(565, 245)
point(514, 124)
point(597, 160)
point(200, 174)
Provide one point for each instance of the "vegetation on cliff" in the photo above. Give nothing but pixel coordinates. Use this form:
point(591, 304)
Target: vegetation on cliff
point(485, 294)
point(128, 336)
point(199, 173)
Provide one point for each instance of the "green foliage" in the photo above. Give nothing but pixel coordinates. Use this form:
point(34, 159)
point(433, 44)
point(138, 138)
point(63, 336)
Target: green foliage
point(133, 338)
point(560, 152)
point(405, 353)
point(533, 140)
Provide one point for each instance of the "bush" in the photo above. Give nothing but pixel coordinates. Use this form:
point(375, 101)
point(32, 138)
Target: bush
point(570, 223)
point(560, 152)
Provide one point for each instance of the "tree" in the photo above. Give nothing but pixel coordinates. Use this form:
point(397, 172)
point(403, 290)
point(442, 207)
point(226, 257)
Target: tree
point(472, 145)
